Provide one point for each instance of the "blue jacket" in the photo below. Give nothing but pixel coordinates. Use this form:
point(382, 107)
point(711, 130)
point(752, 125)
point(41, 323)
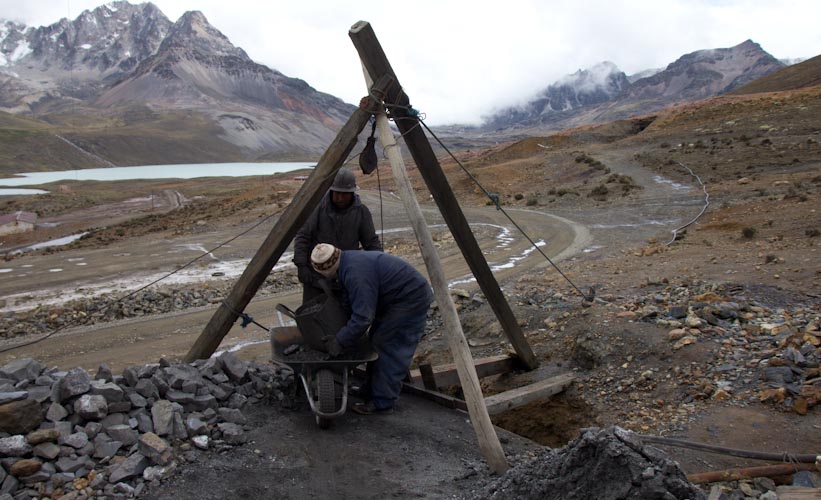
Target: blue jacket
point(375, 284)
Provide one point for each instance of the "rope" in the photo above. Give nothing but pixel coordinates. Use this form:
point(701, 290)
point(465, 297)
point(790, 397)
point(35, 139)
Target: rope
point(493, 197)
point(379, 186)
point(703, 209)
point(247, 319)
point(77, 322)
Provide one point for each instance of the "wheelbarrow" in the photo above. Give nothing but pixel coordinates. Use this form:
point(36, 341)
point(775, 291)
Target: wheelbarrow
point(317, 371)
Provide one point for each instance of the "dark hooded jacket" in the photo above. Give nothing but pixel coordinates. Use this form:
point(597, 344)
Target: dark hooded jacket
point(346, 229)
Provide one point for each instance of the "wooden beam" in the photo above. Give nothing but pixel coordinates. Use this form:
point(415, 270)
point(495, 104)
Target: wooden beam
point(428, 378)
point(775, 470)
point(797, 492)
point(436, 397)
point(521, 396)
point(485, 367)
point(485, 432)
point(377, 65)
point(286, 227)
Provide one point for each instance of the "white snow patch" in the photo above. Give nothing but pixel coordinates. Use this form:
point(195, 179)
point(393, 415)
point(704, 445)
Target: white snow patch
point(592, 249)
point(52, 243)
point(658, 179)
point(516, 258)
point(85, 46)
point(56, 270)
point(19, 52)
point(634, 224)
point(82, 263)
point(230, 269)
point(6, 270)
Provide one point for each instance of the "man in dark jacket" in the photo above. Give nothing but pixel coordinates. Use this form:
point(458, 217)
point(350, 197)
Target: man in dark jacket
point(392, 298)
point(340, 220)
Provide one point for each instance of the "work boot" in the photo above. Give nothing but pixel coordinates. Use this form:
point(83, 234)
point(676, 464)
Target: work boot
point(362, 392)
point(369, 409)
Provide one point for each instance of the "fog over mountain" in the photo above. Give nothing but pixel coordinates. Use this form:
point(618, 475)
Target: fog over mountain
point(604, 92)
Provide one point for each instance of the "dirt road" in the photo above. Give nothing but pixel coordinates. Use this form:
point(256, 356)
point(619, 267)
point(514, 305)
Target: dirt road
point(119, 268)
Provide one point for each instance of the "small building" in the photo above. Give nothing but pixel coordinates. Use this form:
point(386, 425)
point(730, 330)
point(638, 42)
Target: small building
point(18, 222)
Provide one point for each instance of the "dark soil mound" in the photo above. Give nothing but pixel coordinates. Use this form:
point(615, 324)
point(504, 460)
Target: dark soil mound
point(602, 464)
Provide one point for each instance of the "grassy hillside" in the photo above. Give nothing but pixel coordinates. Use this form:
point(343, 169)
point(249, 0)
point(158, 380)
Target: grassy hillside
point(129, 137)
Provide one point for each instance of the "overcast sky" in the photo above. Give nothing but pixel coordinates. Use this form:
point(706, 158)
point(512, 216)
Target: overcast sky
point(459, 60)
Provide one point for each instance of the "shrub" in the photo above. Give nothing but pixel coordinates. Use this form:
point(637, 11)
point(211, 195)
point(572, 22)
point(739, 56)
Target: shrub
point(748, 232)
point(599, 191)
point(812, 233)
point(532, 201)
point(518, 196)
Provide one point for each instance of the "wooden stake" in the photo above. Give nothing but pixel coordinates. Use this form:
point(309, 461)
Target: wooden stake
point(286, 227)
point(489, 443)
point(377, 65)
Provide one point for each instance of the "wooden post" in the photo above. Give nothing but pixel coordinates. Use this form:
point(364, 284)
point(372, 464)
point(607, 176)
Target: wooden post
point(485, 433)
point(377, 66)
point(286, 227)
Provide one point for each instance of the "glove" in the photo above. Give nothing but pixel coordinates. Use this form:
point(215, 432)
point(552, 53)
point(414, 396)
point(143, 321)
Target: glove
point(332, 346)
point(305, 275)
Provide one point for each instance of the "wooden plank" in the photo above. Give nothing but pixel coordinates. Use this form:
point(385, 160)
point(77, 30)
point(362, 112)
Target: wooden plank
point(446, 375)
point(286, 227)
point(376, 65)
point(428, 378)
point(543, 389)
point(797, 493)
point(436, 397)
point(489, 443)
point(772, 470)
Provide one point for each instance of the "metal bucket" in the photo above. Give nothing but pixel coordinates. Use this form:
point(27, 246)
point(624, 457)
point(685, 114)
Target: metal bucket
point(319, 318)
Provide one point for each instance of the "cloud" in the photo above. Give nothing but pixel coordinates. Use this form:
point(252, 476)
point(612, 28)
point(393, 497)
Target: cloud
point(457, 60)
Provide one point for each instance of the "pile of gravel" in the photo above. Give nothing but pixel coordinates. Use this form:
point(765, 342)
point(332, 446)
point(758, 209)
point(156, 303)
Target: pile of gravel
point(69, 435)
point(601, 463)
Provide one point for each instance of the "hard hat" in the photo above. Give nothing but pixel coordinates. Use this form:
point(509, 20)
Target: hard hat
point(344, 182)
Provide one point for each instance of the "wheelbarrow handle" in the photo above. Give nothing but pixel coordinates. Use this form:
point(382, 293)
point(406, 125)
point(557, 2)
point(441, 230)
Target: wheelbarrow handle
point(286, 311)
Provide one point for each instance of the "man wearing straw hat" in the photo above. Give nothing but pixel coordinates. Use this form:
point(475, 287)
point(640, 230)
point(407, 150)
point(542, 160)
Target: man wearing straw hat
point(387, 295)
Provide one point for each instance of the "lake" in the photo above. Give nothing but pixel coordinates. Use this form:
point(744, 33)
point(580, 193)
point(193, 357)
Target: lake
point(18, 191)
point(189, 171)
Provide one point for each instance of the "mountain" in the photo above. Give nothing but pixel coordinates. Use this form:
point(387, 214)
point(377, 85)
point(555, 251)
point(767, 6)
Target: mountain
point(800, 75)
point(704, 73)
point(694, 76)
point(76, 59)
point(123, 76)
point(584, 88)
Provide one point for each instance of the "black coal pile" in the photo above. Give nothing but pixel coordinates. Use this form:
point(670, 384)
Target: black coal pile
point(606, 464)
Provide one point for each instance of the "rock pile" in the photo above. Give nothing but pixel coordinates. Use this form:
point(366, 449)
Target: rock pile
point(600, 463)
point(66, 435)
point(105, 308)
point(774, 350)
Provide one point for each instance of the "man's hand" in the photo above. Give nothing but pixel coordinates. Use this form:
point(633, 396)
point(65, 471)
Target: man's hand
point(304, 274)
point(332, 346)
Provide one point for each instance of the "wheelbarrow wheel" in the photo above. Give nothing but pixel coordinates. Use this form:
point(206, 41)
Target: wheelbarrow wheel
point(326, 393)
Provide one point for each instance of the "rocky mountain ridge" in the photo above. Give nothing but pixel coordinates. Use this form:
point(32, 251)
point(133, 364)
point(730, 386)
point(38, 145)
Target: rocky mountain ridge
point(604, 92)
point(115, 61)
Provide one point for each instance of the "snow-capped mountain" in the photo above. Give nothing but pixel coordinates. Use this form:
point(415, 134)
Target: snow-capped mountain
point(120, 56)
point(605, 93)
